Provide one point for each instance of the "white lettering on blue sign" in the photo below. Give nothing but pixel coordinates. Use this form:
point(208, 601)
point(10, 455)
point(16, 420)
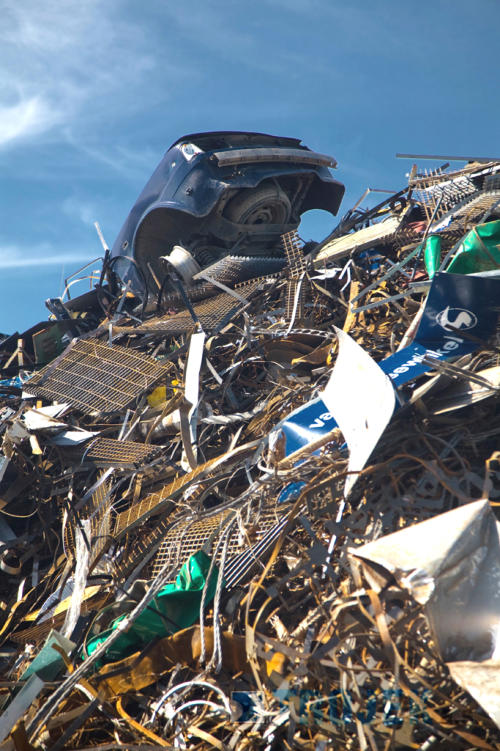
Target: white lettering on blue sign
point(451, 343)
point(319, 422)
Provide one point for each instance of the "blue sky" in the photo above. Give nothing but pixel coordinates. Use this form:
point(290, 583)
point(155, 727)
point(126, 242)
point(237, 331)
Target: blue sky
point(92, 94)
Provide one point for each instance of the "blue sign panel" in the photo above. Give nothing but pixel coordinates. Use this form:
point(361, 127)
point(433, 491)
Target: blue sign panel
point(460, 315)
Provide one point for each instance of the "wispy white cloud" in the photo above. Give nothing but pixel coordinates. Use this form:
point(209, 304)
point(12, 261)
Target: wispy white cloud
point(67, 69)
point(80, 209)
point(63, 66)
point(287, 38)
point(17, 257)
point(28, 117)
point(135, 164)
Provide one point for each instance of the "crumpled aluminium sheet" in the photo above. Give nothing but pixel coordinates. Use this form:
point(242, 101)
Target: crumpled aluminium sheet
point(451, 565)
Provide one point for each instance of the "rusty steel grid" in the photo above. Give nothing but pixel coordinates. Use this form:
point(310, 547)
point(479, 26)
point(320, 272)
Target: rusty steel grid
point(110, 452)
point(97, 378)
point(189, 536)
point(212, 313)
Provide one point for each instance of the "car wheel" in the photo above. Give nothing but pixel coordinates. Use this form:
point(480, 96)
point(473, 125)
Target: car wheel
point(267, 204)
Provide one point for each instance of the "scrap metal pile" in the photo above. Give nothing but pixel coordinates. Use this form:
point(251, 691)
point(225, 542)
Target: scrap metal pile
point(256, 509)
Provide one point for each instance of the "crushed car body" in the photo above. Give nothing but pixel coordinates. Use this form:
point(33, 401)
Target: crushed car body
point(222, 193)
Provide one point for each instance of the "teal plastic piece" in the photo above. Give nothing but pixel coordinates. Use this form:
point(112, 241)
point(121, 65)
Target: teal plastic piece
point(49, 664)
point(478, 251)
point(432, 254)
point(175, 607)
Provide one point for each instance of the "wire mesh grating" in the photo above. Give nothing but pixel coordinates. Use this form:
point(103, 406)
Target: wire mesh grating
point(437, 191)
point(97, 510)
point(154, 503)
point(296, 267)
point(212, 313)
point(97, 378)
point(191, 535)
point(109, 452)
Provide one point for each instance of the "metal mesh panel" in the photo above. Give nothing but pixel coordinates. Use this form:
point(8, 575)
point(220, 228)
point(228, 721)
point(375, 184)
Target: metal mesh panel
point(438, 187)
point(189, 536)
point(233, 270)
point(108, 452)
point(178, 541)
point(155, 502)
point(462, 216)
point(186, 538)
point(97, 378)
point(251, 532)
point(100, 524)
point(296, 267)
point(293, 251)
point(471, 209)
point(212, 313)
point(40, 630)
point(142, 548)
point(97, 509)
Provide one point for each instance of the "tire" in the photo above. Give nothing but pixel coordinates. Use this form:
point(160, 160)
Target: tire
point(266, 204)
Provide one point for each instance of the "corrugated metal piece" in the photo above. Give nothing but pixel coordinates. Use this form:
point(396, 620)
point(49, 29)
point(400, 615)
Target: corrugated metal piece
point(97, 378)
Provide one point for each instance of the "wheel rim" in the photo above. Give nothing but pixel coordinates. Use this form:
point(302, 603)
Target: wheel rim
point(266, 212)
point(264, 205)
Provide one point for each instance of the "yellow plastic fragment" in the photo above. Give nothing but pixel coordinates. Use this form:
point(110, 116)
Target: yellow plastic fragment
point(157, 396)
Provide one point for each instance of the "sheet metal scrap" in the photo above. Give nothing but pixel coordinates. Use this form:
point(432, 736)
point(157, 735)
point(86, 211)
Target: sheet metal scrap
point(318, 636)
